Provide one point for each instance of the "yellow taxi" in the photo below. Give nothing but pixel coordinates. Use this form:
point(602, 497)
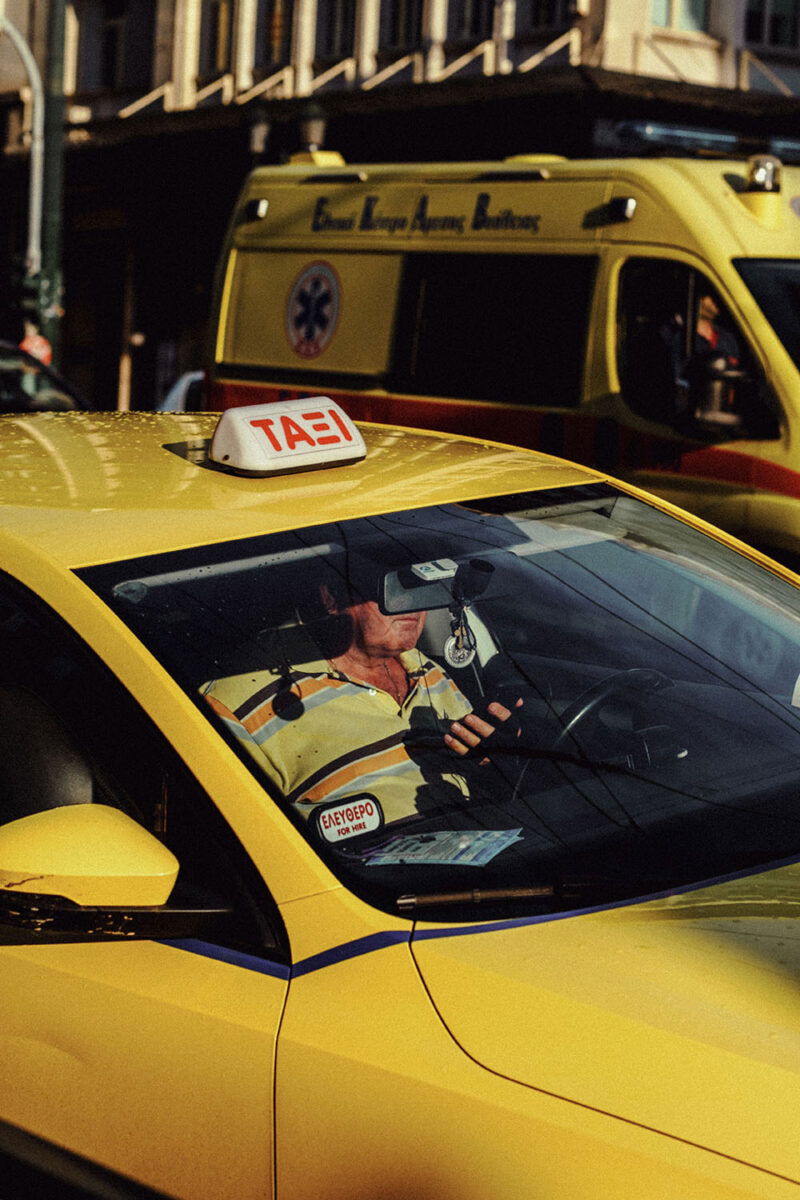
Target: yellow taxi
point(387, 813)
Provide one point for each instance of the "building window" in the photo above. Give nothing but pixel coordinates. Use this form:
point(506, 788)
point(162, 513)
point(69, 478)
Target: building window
point(773, 23)
point(401, 24)
point(112, 45)
point(215, 38)
point(336, 27)
point(273, 32)
point(115, 44)
point(542, 15)
point(689, 16)
point(474, 19)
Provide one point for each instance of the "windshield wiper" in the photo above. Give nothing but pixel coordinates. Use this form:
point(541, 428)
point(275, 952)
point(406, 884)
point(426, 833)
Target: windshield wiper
point(567, 889)
point(545, 891)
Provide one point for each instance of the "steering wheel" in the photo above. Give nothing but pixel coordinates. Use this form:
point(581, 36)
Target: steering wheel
point(621, 684)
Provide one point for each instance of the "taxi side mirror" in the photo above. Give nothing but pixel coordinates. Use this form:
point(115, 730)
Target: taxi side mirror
point(88, 872)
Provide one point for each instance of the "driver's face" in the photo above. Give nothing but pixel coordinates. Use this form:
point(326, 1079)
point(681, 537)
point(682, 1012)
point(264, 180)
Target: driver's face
point(375, 633)
point(709, 308)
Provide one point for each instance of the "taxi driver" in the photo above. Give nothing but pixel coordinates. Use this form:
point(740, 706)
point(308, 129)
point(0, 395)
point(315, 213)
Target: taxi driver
point(356, 712)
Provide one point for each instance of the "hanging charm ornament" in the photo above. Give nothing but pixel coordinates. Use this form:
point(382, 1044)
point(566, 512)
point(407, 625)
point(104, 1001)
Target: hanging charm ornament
point(460, 648)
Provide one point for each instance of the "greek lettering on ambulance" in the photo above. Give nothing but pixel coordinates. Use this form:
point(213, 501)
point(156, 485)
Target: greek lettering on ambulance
point(293, 433)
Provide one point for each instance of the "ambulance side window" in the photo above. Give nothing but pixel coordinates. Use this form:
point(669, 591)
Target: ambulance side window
point(70, 733)
point(682, 360)
point(510, 328)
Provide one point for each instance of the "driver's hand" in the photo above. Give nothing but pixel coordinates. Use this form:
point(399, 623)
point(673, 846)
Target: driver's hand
point(466, 735)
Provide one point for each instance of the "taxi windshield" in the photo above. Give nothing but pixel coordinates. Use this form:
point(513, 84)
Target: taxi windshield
point(528, 703)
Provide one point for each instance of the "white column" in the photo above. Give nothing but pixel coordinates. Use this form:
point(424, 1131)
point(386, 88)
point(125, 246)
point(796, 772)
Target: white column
point(70, 51)
point(303, 45)
point(164, 42)
point(435, 35)
point(727, 24)
point(503, 29)
point(244, 44)
point(367, 37)
point(186, 52)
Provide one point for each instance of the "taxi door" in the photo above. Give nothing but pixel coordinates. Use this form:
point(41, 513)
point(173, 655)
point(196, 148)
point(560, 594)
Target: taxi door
point(153, 1058)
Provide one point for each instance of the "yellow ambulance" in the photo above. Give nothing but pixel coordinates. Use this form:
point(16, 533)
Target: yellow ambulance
point(640, 315)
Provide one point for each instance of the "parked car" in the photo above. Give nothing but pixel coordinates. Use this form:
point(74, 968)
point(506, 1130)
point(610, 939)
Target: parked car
point(28, 385)
point(388, 813)
point(184, 395)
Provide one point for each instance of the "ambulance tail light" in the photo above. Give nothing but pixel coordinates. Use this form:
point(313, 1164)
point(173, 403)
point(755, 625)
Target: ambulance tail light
point(764, 173)
point(762, 190)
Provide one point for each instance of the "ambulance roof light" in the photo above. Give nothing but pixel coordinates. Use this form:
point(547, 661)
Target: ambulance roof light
point(285, 437)
point(764, 174)
point(662, 137)
point(317, 158)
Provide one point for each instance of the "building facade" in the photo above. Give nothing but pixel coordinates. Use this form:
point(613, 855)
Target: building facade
point(169, 103)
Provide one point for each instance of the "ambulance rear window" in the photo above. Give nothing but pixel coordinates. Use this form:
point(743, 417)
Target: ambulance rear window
point(510, 328)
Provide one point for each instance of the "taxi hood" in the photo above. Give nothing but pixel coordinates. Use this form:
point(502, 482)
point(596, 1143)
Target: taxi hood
point(680, 1014)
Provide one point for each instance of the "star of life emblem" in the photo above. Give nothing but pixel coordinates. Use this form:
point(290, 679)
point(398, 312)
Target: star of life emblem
point(312, 309)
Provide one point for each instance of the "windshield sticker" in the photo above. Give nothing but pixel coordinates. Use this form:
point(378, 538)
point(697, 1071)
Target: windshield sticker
point(359, 814)
point(442, 568)
point(465, 848)
point(312, 309)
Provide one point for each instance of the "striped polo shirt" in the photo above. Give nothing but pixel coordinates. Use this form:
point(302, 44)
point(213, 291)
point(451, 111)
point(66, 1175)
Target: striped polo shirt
point(322, 736)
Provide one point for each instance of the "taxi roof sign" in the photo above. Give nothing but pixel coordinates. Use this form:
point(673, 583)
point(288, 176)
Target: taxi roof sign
point(290, 435)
